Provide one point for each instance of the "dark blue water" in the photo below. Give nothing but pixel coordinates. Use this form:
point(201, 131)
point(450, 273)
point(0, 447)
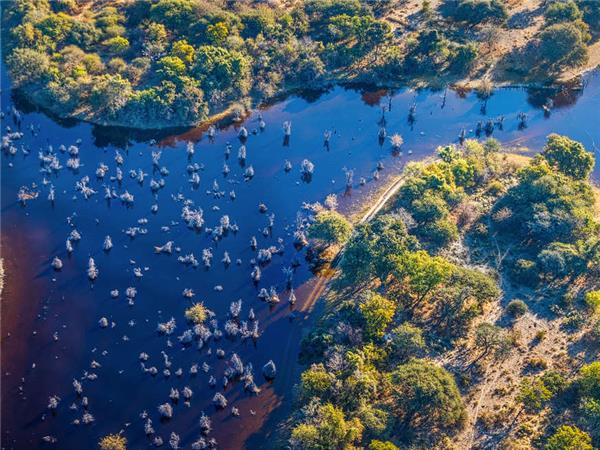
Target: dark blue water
point(39, 303)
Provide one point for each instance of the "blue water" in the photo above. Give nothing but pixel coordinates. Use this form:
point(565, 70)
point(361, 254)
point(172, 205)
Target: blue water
point(45, 302)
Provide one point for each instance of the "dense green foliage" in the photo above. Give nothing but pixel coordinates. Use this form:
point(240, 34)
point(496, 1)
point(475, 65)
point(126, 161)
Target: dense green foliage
point(177, 61)
point(401, 301)
point(552, 211)
point(330, 227)
point(173, 61)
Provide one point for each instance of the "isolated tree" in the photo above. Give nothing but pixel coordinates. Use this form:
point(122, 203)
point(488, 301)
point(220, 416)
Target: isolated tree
point(489, 339)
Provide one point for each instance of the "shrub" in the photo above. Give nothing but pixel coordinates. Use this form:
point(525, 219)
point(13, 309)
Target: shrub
point(477, 11)
point(406, 341)
point(533, 394)
point(562, 45)
point(113, 442)
point(592, 300)
point(525, 271)
point(562, 11)
point(516, 308)
point(28, 66)
point(380, 445)
point(569, 438)
point(197, 313)
point(116, 45)
point(440, 233)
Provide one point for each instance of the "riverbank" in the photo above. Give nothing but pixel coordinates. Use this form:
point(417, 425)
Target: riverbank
point(238, 110)
point(488, 386)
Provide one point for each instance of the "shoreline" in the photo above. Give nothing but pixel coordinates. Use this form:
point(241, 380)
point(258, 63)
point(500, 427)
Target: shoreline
point(228, 113)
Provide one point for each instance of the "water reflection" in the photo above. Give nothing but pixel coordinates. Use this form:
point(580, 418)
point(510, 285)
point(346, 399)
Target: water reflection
point(67, 305)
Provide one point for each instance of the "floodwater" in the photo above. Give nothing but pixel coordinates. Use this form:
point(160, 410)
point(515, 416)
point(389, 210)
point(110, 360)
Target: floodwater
point(50, 319)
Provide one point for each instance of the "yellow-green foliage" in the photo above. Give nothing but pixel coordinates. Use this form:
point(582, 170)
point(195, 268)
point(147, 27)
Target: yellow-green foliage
point(377, 313)
point(197, 313)
point(113, 442)
point(592, 300)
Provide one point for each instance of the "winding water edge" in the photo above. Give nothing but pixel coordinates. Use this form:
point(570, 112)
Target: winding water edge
point(37, 302)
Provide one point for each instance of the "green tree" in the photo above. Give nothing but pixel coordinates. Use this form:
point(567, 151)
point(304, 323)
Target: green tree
point(533, 394)
point(569, 438)
point(589, 380)
point(569, 156)
point(377, 313)
point(28, 66)
point(562, 45)
point(406, 341)
point(330, 227)
point(422, 274)
point(491, 338)
point(563, 11)
point(316, 382)
point(116, 45)
point(329, 430)
point(218, 32)
point(592, 300)
point(110, 93)
point(380, 445)
point(589, 410)
point(425, 395)
point(184, 51)
point(175, 14)
point(219, 68)
point(171, 67)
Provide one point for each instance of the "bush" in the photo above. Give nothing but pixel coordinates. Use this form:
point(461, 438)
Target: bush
point(478, 11)
point(197, 313)
point(592, 300)
point(569, 438)
point(516, 308)
point(28, 66)
point(525, 272)
point(406, 341)
point(377, 313)
point(116, 45)
point(440, 233)
point(380, 445)
point(562, 11)
point(113, 442)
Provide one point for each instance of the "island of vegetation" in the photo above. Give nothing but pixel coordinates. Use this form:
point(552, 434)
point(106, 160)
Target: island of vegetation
point(167, 63)
point(466, 314)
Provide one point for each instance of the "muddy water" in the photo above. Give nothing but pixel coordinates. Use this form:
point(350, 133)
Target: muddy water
point(39, 303)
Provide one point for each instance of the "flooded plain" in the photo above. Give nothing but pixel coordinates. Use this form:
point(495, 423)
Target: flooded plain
point(61, 329)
